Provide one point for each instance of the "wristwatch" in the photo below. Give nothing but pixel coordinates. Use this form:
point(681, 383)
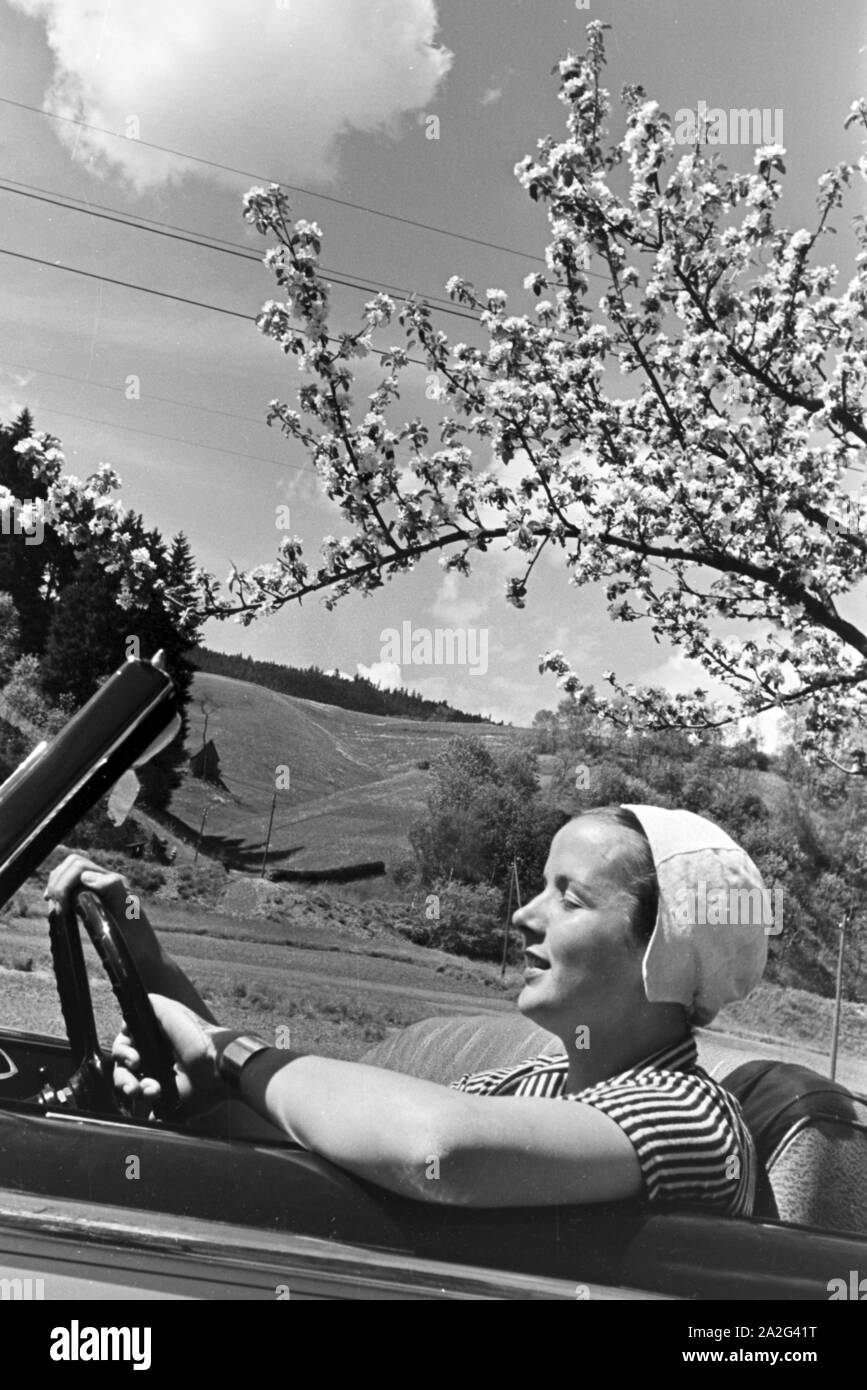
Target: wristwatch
point(235, 1056)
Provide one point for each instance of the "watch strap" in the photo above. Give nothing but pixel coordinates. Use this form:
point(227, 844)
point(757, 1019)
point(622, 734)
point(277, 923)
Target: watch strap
point(234, 1057)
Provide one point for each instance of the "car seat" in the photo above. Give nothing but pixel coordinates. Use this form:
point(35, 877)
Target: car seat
point(811, 1137)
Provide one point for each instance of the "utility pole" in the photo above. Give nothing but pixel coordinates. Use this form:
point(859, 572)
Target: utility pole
point(201, 833)
point(508, 920)
point(838, 1002)
point(268, 836)
point(513, 884)
point(205, 712)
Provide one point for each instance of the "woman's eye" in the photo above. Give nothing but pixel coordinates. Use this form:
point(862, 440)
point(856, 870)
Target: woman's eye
point(571, 900)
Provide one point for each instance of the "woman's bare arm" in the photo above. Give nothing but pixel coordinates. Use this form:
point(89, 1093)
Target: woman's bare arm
point(415, 1137)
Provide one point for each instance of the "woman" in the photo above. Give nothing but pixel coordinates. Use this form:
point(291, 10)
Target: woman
point(615, 967)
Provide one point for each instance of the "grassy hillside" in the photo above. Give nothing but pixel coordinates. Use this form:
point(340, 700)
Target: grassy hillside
point(355, 781)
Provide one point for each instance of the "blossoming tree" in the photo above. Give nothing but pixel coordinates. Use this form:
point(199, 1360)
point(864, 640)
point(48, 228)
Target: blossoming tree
point(710, 490)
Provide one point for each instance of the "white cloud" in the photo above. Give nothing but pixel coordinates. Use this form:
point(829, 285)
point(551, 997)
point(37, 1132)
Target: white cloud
point(459, 602)
point(679, 675)
point(384, 674)
point(12, 402)
point(261, 85)
point(490, 96)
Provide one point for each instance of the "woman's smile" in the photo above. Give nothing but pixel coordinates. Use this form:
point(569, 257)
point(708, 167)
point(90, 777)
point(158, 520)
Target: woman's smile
point(535, 964)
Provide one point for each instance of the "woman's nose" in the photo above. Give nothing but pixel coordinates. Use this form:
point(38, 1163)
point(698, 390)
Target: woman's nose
point(529, 917)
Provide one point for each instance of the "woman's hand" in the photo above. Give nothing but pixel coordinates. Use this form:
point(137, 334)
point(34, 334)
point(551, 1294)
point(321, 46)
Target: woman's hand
point(77, 872)
point(195, 1043)
point(160, 974)
point(113, 892)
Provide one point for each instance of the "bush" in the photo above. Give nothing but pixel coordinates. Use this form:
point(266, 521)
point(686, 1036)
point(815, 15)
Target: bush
point(466, 919)
point(141, 876)
point(204, 883)
point(145, 877)
point(23, 695)
point(484, 811)
point(404, 871)
point(14, 748)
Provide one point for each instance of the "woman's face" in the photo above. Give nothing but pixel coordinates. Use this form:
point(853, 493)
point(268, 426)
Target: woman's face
point(583, 963)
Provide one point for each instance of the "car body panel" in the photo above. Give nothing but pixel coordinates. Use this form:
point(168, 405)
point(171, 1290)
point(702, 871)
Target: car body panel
point(271, 1190)
point(88, 1251)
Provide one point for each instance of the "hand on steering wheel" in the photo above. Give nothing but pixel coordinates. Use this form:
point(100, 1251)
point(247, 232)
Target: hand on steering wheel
point(102, 916)
point(194, 1043)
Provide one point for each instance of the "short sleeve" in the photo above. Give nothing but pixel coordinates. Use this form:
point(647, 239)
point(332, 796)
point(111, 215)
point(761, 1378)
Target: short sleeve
point(689, 1136)
point(542, 1075)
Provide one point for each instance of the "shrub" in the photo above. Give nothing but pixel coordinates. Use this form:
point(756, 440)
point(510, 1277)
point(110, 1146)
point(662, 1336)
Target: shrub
point(484, 811)
point(145, 877)
point(466, 919)
point(204, 883)
point(24, 696)
point(141, 876)
point(404, 871)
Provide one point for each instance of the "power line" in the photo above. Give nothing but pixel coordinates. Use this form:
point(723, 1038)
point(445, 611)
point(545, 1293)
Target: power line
point(182, 299)
point(165, 400)
point(213, 243)
point(175, 439)
point(170, 438)
point(179, 298)
point(198, 239)
point(263, 178)
point(151, 396)
point(128, 285)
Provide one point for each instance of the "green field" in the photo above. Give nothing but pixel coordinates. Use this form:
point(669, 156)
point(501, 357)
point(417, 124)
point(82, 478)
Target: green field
point(355, 784)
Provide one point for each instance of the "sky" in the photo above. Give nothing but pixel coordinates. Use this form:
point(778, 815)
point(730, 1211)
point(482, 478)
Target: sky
point(339, 99)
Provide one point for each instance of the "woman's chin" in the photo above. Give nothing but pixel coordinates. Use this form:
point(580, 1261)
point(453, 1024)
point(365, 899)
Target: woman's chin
point(531, 1000)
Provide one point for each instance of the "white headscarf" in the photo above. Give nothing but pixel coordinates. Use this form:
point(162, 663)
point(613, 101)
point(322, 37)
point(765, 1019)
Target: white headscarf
point(710, 942)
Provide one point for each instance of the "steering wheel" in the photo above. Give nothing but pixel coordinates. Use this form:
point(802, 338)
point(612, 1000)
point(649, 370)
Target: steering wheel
point(91, 1085)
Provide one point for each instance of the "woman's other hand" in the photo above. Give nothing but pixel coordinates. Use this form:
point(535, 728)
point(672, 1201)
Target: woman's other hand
point(195, 1043)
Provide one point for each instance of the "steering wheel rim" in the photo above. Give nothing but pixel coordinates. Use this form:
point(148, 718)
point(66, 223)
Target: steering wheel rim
point(91, 1073)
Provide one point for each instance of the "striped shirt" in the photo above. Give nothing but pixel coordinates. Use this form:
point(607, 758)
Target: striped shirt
point(692, 1143)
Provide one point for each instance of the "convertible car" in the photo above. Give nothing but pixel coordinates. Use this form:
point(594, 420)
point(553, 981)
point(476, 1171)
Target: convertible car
point(102, 1203)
